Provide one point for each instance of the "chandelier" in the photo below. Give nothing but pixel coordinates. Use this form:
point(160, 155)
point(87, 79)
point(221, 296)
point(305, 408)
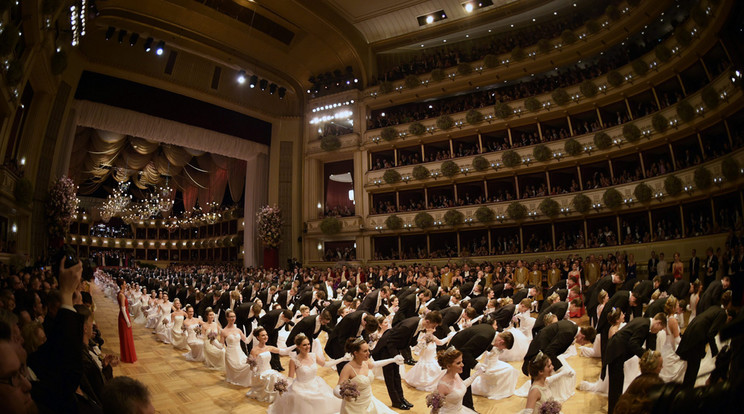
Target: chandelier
point(213, 213)
point(165, 197)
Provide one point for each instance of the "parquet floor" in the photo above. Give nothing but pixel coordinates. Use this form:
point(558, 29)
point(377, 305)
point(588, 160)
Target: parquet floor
point(180, 387)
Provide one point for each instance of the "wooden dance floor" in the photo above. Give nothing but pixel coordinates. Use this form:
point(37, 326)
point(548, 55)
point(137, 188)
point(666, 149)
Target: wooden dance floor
point(179, 386)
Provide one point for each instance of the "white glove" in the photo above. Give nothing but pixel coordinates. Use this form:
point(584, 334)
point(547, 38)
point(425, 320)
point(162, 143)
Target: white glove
point(286, 351)
point(337, 391)
point(333, 362)
point(398, 359)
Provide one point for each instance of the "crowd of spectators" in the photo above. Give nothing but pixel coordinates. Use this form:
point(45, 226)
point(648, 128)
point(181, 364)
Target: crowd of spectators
point(339, 254)
point(123, 231)
point(339, 211)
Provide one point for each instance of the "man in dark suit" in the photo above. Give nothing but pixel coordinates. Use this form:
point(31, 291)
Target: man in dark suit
point(680, 289)
point(653, 263)
point(711, 267)
point(627, 342)
point(555, 339)
point(694, 266)
point(606, 283)
point(558, 309)
point(401, 336)
point(409, 306)
point(273, 321)
point(441, 302)
point(503, 315)
point(643, 290)
point(350, 326)
point(267, 296)
point(655, 307)
point(712, 295)
point(374, 302)
point(474, 341)
point(622, 300)
point(450, 316)
point(310, 326)
point(284, 297)
point(479, 303)
point(702, 330)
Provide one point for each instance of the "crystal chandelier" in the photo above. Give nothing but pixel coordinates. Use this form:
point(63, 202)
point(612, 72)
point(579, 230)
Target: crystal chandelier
point(165, 195)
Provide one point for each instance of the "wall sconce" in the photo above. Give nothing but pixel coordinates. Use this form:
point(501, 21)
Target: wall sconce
point(596, 206)
point(565, 210)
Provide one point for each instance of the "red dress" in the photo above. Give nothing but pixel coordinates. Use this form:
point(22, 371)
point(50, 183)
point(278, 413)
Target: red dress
point(126, 340)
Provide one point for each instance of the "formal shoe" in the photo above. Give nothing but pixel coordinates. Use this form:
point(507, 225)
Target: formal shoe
point(401, 406)
point(408, 403)
point(410, 362)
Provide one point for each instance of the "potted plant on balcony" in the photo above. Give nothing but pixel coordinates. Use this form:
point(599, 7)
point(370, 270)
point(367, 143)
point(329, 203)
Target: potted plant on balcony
point(516, 211)
point(391, 176)
point(453, 218)
point(474, 117)
point(542, 153)
point(588, 88)
point(560, 96)
point(389, 133)
point(417, 128)
point(484, 214)
point(394, 222)
point(445, 122)
point(449, 169)
point(511, 158)
point(643, 193)
point(573, 147)
point(420, 172)
point(660, 123)
point(502, 110)
point(532, 104)
point(423, 220)
point(549, 207)
point(612, 198)
point(672, 185)
point(581, 203)
point(631, 132)
point(480, 163)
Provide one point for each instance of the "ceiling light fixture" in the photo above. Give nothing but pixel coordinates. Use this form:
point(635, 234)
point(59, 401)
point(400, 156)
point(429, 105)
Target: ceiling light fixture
point(241, 77)
point(430, 18)
point(470, 6)
point(160, 49)
point(263, 84)
point(133, 39)
point(254, 80)
point(148, 44)
point(272, 88)
point(122, 33)
point(110, 32)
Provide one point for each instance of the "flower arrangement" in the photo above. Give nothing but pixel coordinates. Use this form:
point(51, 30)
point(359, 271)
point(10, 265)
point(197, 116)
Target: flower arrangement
point(211, 336)
point(429, 338)
point(61, 207)
point(550, 407)
point(349, 390)
point(165, 322)
point(280, 386)
point(435, 400)
point(251, 361)
point(269, 221)
point(197, 329)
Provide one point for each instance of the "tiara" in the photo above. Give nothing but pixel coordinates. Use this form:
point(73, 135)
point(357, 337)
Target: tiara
point(358, 340)
point(538, 357)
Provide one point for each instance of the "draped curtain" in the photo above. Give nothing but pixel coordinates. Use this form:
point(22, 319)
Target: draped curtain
point(238, 163)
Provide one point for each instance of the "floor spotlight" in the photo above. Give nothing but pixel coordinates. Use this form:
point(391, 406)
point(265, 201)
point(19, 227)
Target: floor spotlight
point(122, 33)
point(272, 88)
point(133, 39)
point(160, 49)
point(263, 84)
point(254, 80)
point(110, 32)
point(282, 92)
point(241, 77)
point(148, 44)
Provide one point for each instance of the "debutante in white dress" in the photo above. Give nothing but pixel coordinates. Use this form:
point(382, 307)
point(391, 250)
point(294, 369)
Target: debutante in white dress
point(136, 308)
point(631, 370)
point(179, 337)
point(594, 351)
point(264, 378)
point(453, 400)
point(673, 368)
point(237, 370)
point(214, 356)
point(195, 343)
point(153, 314)
point(366, 403)
point(308, 392)
point(426, 373)
point(545, 396)
point(163, 327)
point(498, 381)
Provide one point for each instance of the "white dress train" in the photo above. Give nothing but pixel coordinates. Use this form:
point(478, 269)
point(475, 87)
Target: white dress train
point(195, 344)
point(426, 373)
point(237, 370)
point(179, 337)
point(520, 347)
point(594, 351)
point(498, 381)
point(366, 403)
point(264, 378)
point(308, 392)
point(214, 357)
point(673, 368)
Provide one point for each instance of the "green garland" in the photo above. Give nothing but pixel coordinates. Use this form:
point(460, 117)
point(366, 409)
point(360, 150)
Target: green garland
point(423, 220)
point(542, 153)
point(615, 79)
point(660, 123)
point(612, 198)
point(573, 147)
point(703, 178)
point(445, 122)
point(449, 169)
point(389, 133)
point(602, 141)
point(480, 163)
point(581, 203)
point(516, 211)
point(672, 185)
point(511, 159)
point(417, 128)
point(474, 117)
point(549, 207)
point(453, 218)
point(631, 132)
point(643, 193)
point(560, 96)
point(394, 222)
point(484, 214)
point(640, 67)
point(502, 110)
point(391, 176)
point(420, 172)
point(588, 88)
point(330, 225)
point(532, 104)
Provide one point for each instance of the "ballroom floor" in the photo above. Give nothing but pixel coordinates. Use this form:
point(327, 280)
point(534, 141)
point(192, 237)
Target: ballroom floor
point(179, 386)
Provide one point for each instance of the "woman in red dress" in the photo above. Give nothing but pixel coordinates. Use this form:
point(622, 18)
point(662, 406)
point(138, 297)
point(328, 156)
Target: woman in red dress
point(126, 340)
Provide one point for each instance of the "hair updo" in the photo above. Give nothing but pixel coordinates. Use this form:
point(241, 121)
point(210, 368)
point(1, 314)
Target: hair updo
point(614, 316)
point(537, 365)
point(258, 331)
point(650, 362)
point(447, 357)
point(354, 344)
point(299, 339)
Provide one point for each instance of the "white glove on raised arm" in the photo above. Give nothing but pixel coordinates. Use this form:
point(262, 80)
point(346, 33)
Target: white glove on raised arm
point(333, 362)
point(286, 351)
point(398, 359)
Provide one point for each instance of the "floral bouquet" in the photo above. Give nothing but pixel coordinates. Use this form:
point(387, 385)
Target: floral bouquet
point(429, 338)
point(197, 329)
point(165, 322)
point(61, 207)
point(349, 390)
point(211, 336)
point(251, 360)
point(550, 407)
point(269, 223)
point(435, 400)
point(280, 386)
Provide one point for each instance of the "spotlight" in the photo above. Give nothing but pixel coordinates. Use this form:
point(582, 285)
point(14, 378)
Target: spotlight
point(160, 49)
point(263, 84)
point(282, 92)
point(241, 77)
point(468, 7)
point(110, 32)
point(133, 39)
point(148, 44)
point(272, 88)
point(122, 33)
point(254, 80)
point(430, 18)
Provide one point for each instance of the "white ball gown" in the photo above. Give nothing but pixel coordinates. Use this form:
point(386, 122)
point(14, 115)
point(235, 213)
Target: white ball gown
point(136, 308)
point(631, 370)
point(425, 374)
point(214, 356)
point(308, 391)
point(673, 368)
point(264, 378)
point(545, 396)
point(562, 383)
point(163, 327)
point(453, 400)
point(153, 315)
point(196, 345)
point(498, 381)
point(366, 403)
point(237, 370)
point(520, 347)
point(179, 337)
point(594, 351)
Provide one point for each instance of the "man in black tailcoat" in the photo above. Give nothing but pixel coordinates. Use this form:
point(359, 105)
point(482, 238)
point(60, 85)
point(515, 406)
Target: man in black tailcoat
point(350, 326)
point(712, 294)
point(555, 339)
point(628, 341)
point(273, 321)
point(374, 302)
point(474, 341)
point(701, 331)
point(401, 336)
point(310, 326)
point(558, 309)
